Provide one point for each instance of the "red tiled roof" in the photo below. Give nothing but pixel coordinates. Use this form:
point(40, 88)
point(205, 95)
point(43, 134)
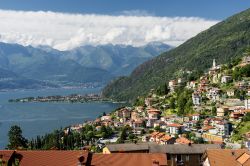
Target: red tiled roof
point(228, 157)
point(174, 125)
point(128, 159)
point(51, 158)
point(6, 154)
point(166, 138)
point(183, 140)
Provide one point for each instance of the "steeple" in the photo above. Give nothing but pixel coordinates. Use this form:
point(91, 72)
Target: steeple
point(214, 63)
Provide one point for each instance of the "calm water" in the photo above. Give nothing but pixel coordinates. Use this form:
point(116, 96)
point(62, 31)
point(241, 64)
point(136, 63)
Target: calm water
point(40, 118)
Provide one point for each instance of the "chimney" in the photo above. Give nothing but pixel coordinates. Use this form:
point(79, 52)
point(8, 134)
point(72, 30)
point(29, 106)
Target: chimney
point(155, 163)
point(189, 144)
point(233, 153)
point(81, 161)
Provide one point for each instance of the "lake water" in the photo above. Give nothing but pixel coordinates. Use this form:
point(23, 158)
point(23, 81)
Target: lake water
point(40, 118)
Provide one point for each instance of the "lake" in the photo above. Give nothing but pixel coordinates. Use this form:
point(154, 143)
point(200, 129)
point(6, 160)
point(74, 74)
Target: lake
point(40, 118)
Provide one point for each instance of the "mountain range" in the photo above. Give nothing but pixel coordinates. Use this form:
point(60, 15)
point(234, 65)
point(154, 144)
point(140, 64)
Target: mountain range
point(39, 67)
point(224, 42)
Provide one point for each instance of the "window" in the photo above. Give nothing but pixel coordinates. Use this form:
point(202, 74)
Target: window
point(187, 157)
point(179, 157)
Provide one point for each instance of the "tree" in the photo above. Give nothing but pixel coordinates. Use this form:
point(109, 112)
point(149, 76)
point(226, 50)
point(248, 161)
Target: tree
point(16, 140)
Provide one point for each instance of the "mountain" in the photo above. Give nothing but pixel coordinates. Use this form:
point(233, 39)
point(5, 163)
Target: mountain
point(10, 80)
point(224, 42)
point(83, 65)
point(119, 60)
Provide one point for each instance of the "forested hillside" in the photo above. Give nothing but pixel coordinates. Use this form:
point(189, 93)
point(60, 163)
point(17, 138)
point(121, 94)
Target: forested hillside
point(224, 42)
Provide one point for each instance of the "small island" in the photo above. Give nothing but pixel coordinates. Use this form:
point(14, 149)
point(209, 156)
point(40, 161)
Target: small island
point(73, 98)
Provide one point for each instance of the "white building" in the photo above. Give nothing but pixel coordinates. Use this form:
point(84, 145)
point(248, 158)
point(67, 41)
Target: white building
point(226, 79)
point(196, 97)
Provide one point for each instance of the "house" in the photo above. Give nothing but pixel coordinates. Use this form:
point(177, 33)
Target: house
point(186, 155)
point(245, 61)
point(213, 94)
point(159, 123)
point(138, 123)
point(153, 136)
point(175, 128)
point(172, 85)
point(126, 148)
point(183, 140)
point(106, 118)
point(135, 116)
point(179, 80)
point(247, 104)
point(223, 128)
point(79, 158)
point(212, 138)
point(230, 92)
point(247, 140)
point(221, 111)
point(226, 79)
point(129, 159)
point(248, 92)
point(167, 139)
point(195, 117)
point(196, 97)
point(48, 158)
point(226, 157)
point(191, 85)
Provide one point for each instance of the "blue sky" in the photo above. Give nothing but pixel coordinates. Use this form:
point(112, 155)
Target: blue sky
point(211, 9)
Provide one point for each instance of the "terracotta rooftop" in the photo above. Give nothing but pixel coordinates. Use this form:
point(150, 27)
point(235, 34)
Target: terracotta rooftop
point(5, 155)
point(174, 125)
point(228, 157)
point(166, 138)
point(52, 158)
point(183, 140)
point(128, 159)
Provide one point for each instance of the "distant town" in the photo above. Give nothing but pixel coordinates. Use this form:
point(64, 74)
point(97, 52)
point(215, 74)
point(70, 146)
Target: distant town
point(73, 98)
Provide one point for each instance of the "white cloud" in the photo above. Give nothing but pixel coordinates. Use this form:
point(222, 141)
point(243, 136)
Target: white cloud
point(66, 31)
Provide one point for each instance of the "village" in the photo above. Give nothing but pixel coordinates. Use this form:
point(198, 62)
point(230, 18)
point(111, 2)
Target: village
point(219, 106)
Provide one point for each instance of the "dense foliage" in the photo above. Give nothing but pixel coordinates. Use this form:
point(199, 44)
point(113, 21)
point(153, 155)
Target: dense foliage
point(59, 139)
point(16, 139)
point(224, 42)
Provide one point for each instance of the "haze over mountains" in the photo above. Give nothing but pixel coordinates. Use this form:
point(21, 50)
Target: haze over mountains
point(30, 67)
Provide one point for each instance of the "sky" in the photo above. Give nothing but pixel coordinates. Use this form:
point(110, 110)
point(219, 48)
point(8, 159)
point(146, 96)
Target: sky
point(67, 24)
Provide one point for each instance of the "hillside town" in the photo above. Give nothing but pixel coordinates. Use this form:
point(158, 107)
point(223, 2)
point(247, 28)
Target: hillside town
point(211, 111)
point(219, 106)
point(204, 121)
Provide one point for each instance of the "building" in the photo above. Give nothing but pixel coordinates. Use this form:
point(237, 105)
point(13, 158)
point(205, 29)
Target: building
point(172, 85)
point(226, 157)
point(79, 158)
point(195, 117)
point(214, 94)
point(196, 97)
point(247, 140)
point(126, 148)
point(183, 140)
point(230, 92)
point(226, 79)
point(129, 159)
point(247, 104)
point(183, 155)
point(221, 111)
point(175, 128)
